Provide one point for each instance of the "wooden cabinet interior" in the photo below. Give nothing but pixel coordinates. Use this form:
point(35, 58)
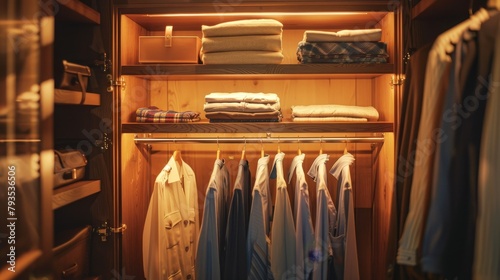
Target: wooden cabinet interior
point(182, 87)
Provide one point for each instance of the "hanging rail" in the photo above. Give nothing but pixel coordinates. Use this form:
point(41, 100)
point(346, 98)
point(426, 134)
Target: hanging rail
point(235, 140)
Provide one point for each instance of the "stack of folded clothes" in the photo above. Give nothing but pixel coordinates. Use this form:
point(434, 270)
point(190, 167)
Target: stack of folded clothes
point(346, 46)
point(242, 107)
point(253, 41)
point(155, 115)
point(333, 113)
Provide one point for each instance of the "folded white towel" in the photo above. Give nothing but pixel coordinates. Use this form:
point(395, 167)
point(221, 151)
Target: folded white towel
point(334, 110)
point(354, 35)
point(241, 43)
point(243, 27)
point(248, 97)
point(242, 57)
point(241, 107)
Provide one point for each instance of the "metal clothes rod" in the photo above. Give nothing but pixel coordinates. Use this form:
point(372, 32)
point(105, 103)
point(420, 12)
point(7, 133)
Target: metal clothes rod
point(236, 140)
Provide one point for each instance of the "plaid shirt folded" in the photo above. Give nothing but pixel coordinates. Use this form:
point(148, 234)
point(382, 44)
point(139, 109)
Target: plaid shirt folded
point(154, 114)
point(342, 52)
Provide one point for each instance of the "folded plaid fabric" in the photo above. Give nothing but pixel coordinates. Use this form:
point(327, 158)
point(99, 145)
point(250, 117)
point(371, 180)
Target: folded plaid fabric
point(346, 60)
point(342, 52)
point(154, 114)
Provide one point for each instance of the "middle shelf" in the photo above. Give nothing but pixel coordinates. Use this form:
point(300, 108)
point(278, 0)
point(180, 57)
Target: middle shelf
point(259, 127)
point(171, 71)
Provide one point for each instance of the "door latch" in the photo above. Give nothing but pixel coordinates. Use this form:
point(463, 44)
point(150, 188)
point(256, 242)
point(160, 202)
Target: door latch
point(111, 84)
point(104, 230)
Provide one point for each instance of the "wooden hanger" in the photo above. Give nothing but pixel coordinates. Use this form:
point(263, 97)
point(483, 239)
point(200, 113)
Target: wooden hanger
point(299, 152)
point(218, 148)
point(261, 149)
point(345, 148)
point(177, 157)
point(321, 146)
point(243, 156)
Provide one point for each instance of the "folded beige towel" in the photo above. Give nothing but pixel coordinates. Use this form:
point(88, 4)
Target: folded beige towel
point(248, 97)
point(354, 35)
point(243, 27)
point(242, 57)
point(241, 43)
point(329, 119)
point(241, 107)
point(334, 110)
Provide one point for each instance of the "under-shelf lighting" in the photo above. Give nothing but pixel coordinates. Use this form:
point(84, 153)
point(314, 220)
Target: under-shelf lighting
point(261, 14)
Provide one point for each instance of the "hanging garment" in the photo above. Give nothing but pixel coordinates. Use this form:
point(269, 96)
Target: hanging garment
point(283, 228)
point(302, 215)
point(429, 134)
point(217, 196)
point(170, 234)
point(487, 241)
point(449, 232)
point(345, 249)
point(326, 215)
point(410, 119)
point(207, 255)
point(259, 266)
point(262, 182)
point(465, 164)
point(237, 224)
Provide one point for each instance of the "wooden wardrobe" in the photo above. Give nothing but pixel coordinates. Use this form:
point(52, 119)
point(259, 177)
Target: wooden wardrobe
point(183, 87)
point(114, 203)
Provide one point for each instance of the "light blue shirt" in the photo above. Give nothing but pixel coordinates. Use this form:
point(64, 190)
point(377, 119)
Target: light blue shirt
point(207, 256)
point(303, 223)
point(283, 229)
point(325, 219)
point(259, 266)
point(344, 244)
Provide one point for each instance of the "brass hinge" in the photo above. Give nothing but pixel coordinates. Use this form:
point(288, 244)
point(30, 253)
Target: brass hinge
point(103, 62)
point(111, 84)
point(397, 82)
point(104, 230)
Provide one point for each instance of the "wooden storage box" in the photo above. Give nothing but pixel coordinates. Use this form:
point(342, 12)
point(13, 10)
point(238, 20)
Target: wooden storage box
point(169, 49)
point(72, 253)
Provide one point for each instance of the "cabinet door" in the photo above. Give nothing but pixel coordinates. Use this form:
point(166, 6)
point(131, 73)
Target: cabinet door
point(26, 158)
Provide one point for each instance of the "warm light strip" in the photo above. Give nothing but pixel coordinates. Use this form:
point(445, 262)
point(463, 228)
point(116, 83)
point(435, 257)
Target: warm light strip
point(261, 14)
point(19, 140)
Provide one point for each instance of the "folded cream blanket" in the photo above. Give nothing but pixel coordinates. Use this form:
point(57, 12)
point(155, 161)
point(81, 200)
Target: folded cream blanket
point(334, 110)
point(241, 107)
point(242, 57)
point(241, 43)
point(354, 35)
point(248, 97)
point(329, 119)
point(243, 27)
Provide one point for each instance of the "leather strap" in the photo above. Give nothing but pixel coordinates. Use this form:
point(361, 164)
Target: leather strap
point(168, 36)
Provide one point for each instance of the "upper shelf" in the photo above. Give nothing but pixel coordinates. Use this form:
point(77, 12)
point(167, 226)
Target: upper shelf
point(76, 11)
point(259, 127)
point(439, 9)
point(290, 20)
point(175, 70)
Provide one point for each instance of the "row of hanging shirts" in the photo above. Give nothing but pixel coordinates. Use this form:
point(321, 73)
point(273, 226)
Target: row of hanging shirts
point(245, 237)
point(242, 236)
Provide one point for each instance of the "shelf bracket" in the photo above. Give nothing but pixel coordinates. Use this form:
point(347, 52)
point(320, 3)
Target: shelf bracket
point(111, 84)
